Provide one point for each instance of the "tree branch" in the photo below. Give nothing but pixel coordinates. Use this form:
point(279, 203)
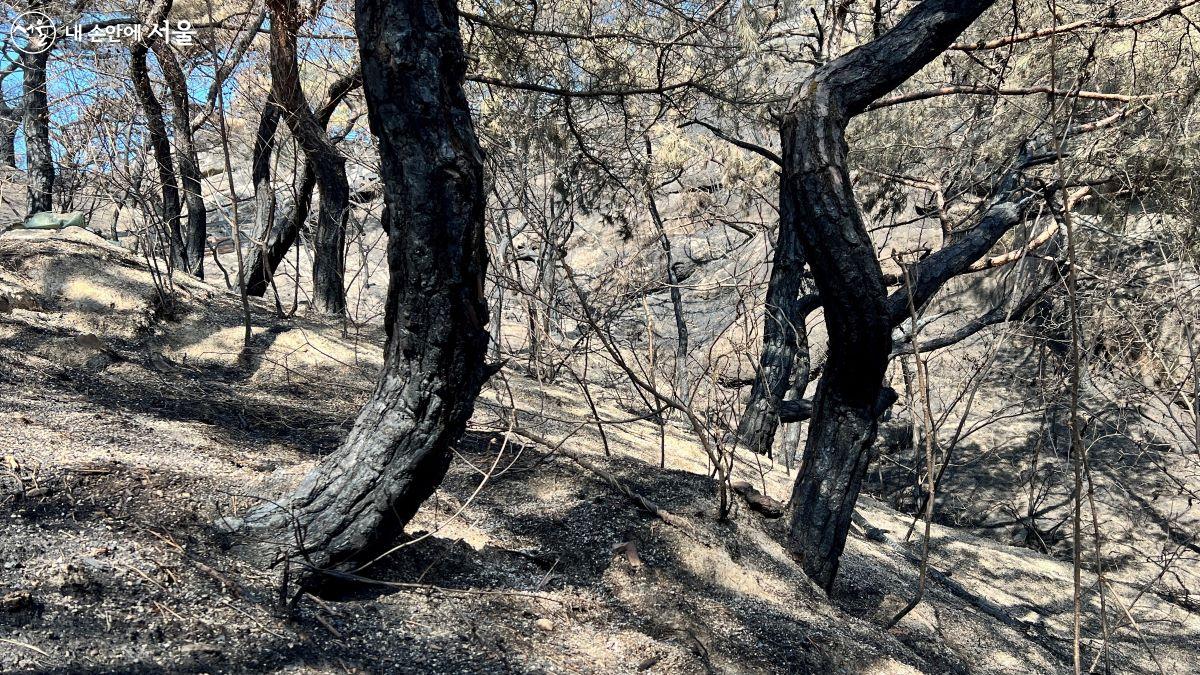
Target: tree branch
point(745, 145)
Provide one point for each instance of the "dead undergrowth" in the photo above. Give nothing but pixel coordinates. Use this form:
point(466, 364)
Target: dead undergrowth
point(127, 432)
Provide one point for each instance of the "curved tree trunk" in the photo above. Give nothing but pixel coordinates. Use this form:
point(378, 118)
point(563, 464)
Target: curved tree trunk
point(816, 184)
point(169, 209)
point(432, 169)
point(275, 234)
point(195, 233)
point(270, 240)
point(329, 238)
point(850, 282)
point(37, 133)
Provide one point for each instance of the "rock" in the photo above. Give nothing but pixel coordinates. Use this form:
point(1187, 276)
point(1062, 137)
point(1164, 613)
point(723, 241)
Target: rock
point(74, 579)
point(200, 648)
point(544, 625)
point(19, 299)
point(648, 663)
point(629, 550)
point(47, 220)
point(876, 534)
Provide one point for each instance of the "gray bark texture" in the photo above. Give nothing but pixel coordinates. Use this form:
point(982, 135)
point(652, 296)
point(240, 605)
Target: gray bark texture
point(273, 236)
point(785, 339)
point(816, 187)
point(398, 452)
point(10, 123)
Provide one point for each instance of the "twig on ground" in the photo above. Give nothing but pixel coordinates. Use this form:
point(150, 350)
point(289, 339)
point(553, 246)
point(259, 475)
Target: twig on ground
point(607, 477)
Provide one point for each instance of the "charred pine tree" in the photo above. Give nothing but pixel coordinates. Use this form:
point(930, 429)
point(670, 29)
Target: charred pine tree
point(682, 390)
point(40, 161)
point(816, 185)
point(270, 240)
point(168, 206)
point(10, 123)
point(785, 339)
point(329, 166)
point(276, 233)
point(10, 119)
point(432, 169)
point(195, 232)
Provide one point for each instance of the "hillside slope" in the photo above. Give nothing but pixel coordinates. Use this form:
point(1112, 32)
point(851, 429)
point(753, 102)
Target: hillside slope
point(132, 423)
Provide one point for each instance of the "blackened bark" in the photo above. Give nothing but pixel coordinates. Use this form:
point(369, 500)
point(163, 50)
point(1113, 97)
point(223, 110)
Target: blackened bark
point(800, 409)
point(432, 170)
point(847, 274)
point(329, 166)
point(801, 375)
point(168, 206)
point(195, 233)
point(929, 275)
point(785, 338)
point(10, 122)
point(682, 390)
point(10, 119)
point(275, 234)
point(39, 159)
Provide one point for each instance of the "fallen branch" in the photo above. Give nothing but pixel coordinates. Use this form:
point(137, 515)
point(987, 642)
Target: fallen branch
point(757, 501)
point(430, 588)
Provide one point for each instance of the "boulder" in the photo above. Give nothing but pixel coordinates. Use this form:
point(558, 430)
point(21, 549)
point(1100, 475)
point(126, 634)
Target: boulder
point(48, 220)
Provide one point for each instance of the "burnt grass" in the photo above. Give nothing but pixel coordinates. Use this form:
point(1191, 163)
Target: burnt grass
point(111, 566)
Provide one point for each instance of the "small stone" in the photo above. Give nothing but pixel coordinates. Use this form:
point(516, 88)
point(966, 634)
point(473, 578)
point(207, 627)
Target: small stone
point(200, 648)
point(72, 579)
point(544, 625)
point(18, 608)
point(648, 663)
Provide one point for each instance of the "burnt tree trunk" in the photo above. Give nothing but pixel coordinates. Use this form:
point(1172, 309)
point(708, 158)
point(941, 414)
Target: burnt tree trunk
point(682, 390)
point(276, 233)
point(785, 339)
point(195, 233)
point(801, 371)
point(271, 240)
point(816, 184)
point(39, 159)
point(329, 166)
point(10, 123)
point(10, 119)
point(432, 170)
point(168, 206)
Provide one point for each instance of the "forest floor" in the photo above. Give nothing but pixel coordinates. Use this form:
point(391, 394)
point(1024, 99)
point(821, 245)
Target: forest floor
point(130, 425)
